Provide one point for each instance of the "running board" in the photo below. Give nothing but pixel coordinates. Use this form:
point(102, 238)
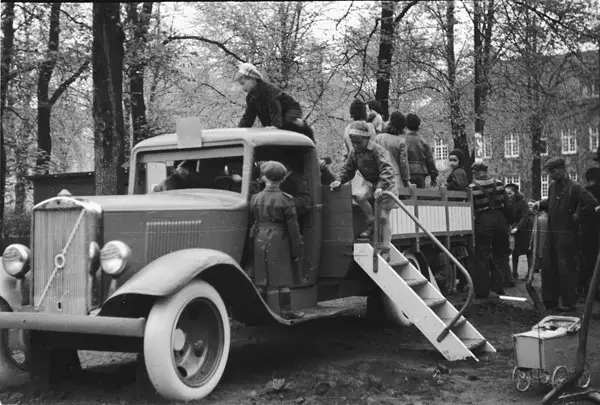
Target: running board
point(424, 306)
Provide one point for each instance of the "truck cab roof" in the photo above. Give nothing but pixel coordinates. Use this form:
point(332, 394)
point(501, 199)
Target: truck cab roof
point(213, 137)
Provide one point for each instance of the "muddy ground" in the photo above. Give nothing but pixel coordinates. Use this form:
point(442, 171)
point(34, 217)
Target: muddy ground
point(340, 360)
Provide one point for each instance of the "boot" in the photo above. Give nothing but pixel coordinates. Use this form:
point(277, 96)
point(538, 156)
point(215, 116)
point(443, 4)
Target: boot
point(285, 305)
point(369, 232)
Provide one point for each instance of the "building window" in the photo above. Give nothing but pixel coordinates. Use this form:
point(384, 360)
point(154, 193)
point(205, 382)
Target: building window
point(487, 147)
point(440, 149)
point(514, 180)
point(545, 183)
point(569, 141)
point(511, 146)
point(544, 146)
point(573, 176)
point(593, 139)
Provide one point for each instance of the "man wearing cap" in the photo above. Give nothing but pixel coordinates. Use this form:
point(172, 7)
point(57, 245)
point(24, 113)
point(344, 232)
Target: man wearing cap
point(490, 206)
point(560, 265)
point(273, 106)
point(372, 162)
point(394, 141)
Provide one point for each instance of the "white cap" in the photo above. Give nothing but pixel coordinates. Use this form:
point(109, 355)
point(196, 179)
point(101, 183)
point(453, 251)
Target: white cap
point(248, 69)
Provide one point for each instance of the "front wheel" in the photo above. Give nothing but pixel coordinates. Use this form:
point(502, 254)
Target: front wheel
point(186, 342)
point(14, 351)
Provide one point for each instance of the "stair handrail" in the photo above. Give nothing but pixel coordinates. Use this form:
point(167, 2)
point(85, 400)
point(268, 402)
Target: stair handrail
point(443, 248)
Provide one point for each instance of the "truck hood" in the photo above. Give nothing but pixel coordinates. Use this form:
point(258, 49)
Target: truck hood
point(191, 199)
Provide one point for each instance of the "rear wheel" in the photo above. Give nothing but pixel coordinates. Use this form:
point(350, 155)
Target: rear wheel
point(186, 342)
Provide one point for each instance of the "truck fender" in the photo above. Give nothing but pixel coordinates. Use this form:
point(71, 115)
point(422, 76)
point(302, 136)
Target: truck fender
point(169, 273)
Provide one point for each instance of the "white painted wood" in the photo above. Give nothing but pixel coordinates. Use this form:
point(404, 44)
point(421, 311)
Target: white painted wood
point(412, 303)
point(401, 223)
point(433, 218)
point(460, 218)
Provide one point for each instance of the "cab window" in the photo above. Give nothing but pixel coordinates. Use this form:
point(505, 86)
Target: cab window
point(216, 168)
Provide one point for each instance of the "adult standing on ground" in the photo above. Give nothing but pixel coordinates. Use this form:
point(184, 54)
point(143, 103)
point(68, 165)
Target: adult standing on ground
point(590, 226)
point(420, 158)
point(394, 141)
point(491, 232)
point(519, 210)
point(560, 265)
point(272, 106)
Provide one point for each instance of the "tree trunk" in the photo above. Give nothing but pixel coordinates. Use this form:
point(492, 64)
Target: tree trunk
point(109, 131)
point(384, 57)
point(456, 120)
point(482, 40)
point(8, 15)
point(44, 139)
point(135, 71)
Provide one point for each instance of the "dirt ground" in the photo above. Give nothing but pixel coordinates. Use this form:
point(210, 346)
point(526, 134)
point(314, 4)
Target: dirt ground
point(340, 360)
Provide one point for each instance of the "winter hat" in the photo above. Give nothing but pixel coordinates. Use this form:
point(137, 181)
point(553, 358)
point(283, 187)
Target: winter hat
point(397, 122)
point(460, 155)
point(361, 129)
point(249, 70)
point(273, 170)
point(358, 110)
point(554, 163)
point(479, 166)
point(413, 122)
point(375, 106)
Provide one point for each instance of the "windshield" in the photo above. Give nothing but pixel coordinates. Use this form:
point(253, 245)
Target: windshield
point(216, 168)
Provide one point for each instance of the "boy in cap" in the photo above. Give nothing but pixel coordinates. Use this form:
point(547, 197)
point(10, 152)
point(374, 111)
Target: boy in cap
point(420, 158)
point(372, 162)
point(394, 142)
point(560, 266)
point(273, 106)
point(492, 217)
point(277, 240)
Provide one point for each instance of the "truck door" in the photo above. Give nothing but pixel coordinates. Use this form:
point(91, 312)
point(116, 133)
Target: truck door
point(338, 232)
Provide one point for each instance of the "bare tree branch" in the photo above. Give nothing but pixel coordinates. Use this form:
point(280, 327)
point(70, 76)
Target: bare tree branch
point(344, 16)
point(404, 11)
point(64, 85)
point(219, 93)
point(81, 24)
point(202, 39)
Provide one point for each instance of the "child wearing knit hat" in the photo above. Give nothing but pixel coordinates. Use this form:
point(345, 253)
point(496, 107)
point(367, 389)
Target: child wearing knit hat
point(278, 245)
point(272, 106)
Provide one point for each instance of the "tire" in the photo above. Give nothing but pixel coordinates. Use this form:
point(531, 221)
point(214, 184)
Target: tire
point(14, 352)
point(180, 368)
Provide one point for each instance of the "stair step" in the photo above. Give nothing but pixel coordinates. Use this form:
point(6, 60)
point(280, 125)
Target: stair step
point(434, 302)
point(474, 344)
point(399, 263)
point(414, 283)
point(458, 323)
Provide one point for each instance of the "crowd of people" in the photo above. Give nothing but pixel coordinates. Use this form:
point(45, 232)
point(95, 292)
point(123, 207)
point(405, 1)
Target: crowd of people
point(558, 235)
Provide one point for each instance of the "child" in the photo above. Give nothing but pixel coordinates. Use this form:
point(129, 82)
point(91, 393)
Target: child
point(272, 105)
point(522, 232)
point(277, 240)
point(457, 179)
point(372, 162)
point(420, 158)
point(538, 238)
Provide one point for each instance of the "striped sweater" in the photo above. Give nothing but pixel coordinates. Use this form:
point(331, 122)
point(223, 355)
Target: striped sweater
point(488, 194)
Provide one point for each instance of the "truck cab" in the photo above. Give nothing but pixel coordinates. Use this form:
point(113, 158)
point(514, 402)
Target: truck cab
point(162, 273)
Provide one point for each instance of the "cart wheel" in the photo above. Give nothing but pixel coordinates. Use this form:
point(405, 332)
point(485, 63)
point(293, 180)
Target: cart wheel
point(559, 376)
point(585, 379)
point(521, 378)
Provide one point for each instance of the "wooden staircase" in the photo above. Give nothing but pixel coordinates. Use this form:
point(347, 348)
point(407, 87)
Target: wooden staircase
point(425, 306)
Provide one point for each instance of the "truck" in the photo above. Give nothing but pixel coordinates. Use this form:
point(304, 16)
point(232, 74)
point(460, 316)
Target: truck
point(163, 274)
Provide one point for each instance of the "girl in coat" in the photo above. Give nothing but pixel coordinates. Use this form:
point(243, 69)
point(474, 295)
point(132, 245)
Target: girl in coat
point(277, 241)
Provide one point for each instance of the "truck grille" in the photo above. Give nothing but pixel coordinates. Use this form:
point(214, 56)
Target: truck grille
point(69, 290)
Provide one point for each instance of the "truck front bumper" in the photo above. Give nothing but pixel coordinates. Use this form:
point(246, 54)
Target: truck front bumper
point(90, 324)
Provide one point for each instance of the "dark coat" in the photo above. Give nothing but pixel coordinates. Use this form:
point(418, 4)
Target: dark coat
point(523, 235)
point(420, 158)
point(560, 265)
point(296, 186)
point(272, 106)
point(457, 180)
point(276, 237)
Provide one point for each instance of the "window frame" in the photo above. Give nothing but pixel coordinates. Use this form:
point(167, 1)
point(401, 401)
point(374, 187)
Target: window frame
point(545, 180)
point(566, 136)
point(442, 149)
point(518, 182)
point(511, 144)
point(595, 134)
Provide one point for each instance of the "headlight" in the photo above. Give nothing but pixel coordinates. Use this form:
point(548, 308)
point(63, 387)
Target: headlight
point(114, 258)
point(16, 260)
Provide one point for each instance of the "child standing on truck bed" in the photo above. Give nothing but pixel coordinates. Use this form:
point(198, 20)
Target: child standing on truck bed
point(372, 162)
point(277, 240)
